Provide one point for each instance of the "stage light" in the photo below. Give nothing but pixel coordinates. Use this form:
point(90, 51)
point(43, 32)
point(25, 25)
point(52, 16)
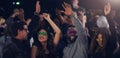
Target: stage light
point(17, 3)
point(13, 3)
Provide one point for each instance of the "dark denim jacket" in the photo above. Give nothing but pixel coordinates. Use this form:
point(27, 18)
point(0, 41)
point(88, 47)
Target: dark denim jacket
point(17, 49)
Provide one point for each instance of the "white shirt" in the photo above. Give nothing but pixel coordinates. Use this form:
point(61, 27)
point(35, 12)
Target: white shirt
point(102, 22)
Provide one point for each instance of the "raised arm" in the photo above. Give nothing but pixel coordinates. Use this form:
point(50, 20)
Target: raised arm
point(37, 10)
point(58, 12)
point(107, 8)
point(55, 28)
point(67, 9)
point(35, 18)
point(11, 18)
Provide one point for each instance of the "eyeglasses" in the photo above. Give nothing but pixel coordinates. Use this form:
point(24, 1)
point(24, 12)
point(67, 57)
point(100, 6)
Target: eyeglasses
point(42, 33)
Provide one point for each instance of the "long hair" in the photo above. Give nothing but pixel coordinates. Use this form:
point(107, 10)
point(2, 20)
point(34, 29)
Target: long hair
point(50, 45)
point(105, 36)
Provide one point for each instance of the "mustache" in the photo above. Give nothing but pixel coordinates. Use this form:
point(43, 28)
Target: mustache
point(72, 32)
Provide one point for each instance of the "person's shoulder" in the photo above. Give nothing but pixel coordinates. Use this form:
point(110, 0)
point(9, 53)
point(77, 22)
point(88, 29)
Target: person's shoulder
point(9, 49)
point(2, 39)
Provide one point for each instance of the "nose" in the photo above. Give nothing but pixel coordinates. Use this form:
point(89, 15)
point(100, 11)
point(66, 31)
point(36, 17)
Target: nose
point(27, 30)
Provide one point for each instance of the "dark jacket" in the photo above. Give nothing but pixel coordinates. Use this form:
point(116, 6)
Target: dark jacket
point(17, 49)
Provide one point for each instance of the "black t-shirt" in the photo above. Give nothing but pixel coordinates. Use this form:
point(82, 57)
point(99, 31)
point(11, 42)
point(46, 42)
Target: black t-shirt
point(41, 53)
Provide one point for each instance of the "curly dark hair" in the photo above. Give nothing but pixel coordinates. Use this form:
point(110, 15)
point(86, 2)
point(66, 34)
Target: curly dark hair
point(50, 45)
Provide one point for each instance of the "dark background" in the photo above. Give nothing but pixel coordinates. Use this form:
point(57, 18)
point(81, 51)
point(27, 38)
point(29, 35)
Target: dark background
point(7, 6)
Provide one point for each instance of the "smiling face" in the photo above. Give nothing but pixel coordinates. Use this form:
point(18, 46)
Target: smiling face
point(42, 36)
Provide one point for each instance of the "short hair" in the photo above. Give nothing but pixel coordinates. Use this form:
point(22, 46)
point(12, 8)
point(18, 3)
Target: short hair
point(18, 25)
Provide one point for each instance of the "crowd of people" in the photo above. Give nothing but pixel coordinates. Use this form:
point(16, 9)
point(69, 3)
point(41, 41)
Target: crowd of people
point(71, 32)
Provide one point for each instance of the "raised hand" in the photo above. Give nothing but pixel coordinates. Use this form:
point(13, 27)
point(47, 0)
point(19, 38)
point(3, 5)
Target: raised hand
point(55, 28)
point(21, 10)
point(46, 16)
point(83, 17)
point(58, 13)
point(67, 8)
point(28, 21)
point(37, 7)
point(107, 8)
point(15, 13)
point(21, 14)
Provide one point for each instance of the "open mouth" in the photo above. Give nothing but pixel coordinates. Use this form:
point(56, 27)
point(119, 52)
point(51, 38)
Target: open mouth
point(41, 38)
point(72, 32)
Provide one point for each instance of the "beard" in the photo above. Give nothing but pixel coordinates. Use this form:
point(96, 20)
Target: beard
point(71, 39)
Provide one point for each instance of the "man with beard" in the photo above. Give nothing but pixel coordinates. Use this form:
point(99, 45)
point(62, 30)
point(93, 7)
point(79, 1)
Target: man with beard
point(75, 36)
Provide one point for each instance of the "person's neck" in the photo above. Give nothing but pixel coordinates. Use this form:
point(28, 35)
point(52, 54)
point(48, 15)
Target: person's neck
point(18, 37)
point(44, 44)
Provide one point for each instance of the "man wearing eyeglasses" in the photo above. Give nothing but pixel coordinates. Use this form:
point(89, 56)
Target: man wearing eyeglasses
point(19, 48)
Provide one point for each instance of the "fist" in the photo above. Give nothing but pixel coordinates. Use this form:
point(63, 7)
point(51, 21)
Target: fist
point(46, 16)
